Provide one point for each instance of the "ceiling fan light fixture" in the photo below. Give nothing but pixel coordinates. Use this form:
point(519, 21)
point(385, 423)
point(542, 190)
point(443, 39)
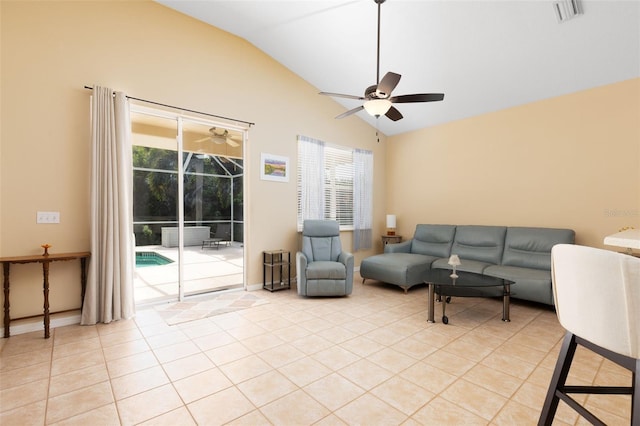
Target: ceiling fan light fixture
point(377, 107)
point(377, 98)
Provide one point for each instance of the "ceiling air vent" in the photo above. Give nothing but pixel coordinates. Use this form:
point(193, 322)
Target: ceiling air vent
point(567, 9)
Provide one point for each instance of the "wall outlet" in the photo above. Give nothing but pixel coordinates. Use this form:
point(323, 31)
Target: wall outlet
point(48, 217)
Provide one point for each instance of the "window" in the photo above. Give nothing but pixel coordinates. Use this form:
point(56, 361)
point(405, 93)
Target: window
point(326, 187)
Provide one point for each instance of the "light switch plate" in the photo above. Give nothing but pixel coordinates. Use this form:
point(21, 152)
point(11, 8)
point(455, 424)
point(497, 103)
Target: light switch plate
point(48, 217)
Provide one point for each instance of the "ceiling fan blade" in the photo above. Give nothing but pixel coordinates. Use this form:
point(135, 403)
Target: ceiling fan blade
point(418, 97)
point(203, 139)
point(387, 84)
point(340, 95)
point(381, 91)
point(232, 143)
point(351, 111)
point(393, 114)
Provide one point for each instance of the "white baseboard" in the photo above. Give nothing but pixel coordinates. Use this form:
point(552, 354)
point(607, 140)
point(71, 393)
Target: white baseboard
point(36, 324)
point(254, 287)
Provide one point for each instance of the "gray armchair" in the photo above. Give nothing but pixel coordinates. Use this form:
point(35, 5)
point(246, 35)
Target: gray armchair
point(322, 268)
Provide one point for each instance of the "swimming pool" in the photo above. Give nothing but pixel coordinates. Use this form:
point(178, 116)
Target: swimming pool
point(150, 258)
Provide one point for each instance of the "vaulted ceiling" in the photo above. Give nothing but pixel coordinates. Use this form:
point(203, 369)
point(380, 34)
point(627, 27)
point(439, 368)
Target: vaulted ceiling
point(483, 55)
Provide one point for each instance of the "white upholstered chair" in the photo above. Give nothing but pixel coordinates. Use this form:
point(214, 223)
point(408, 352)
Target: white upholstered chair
point(597, 297)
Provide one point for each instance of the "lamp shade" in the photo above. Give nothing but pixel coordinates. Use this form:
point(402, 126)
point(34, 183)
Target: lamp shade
point(391, 221)
point(454, 260)
point(377, 106)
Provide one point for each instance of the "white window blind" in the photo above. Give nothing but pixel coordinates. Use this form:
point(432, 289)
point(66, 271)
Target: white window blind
point(326, 186)
point(338, 185)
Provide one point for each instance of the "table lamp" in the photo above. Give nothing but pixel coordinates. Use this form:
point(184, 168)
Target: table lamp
point(454, 261)
point(391, 224)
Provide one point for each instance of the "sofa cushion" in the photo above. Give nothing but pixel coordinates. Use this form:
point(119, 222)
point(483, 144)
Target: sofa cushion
point(531, 247)
point(530, 284)
point(481, 243)
point(433, 240)
point(403, 269)
point(326, 287)
point(466, 265)
point(326, 270)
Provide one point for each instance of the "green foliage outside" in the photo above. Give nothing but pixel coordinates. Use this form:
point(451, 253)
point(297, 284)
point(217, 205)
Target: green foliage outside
point(207, 192)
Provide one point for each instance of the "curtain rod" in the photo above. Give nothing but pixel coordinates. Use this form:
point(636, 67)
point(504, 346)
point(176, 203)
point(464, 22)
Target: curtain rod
point(184, 109)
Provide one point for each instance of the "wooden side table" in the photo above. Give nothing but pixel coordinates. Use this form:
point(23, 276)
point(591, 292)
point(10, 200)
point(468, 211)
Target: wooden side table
point(391, 239)
point(45, 260)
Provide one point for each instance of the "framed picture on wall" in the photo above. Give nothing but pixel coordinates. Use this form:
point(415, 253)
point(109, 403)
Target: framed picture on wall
point(274, 167)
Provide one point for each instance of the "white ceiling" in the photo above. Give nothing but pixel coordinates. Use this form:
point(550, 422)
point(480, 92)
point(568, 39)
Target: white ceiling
point(483, 55)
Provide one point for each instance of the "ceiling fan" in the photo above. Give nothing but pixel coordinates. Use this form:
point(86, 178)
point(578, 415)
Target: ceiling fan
point(377, 98)
point(220, 136)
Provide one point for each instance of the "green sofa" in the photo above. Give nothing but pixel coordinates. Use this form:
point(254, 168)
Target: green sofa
point(520, 254)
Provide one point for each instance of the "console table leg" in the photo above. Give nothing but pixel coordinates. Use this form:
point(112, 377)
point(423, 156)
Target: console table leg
point(45, 290)
point(7, 317)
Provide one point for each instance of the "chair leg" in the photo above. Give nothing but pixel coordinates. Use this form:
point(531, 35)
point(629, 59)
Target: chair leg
point(635, 395)
point(558, 380)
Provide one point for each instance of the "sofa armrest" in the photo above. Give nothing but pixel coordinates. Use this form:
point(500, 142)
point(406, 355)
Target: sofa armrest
point(403, 247)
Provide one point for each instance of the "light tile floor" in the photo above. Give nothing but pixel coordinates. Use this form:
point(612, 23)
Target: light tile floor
point(369, 359)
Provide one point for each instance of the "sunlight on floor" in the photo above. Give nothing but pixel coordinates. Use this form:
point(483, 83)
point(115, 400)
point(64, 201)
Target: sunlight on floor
point(208, 269)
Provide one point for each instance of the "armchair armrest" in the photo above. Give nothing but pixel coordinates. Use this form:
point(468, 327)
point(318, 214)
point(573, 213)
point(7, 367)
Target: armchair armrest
point(403, 247)
point(347, 259)
point(301, 267)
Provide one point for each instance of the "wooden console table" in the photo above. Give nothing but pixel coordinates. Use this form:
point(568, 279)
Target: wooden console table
point(45, 260)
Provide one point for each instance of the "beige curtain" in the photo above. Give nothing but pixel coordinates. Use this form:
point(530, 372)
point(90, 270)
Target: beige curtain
point(311, 179)
point(362, 199)
point(109, 294)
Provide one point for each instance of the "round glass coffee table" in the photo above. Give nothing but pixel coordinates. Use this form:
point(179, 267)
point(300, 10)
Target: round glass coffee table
point(465, 284)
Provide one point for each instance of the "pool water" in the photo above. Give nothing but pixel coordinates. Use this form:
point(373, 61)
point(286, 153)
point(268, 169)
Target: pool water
point(150, 258)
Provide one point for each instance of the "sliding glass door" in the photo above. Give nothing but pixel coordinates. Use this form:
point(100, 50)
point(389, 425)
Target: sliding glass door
point(188, 202)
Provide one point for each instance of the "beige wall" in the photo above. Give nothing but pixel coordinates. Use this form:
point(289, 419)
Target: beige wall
point(51, 49)
point(570, 162)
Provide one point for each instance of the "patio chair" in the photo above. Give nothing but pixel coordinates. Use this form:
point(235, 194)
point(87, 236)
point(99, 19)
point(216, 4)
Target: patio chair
point(597, 295)
point(221, 236)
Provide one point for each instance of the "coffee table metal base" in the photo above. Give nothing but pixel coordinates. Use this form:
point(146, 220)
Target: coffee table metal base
point(506, 300)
